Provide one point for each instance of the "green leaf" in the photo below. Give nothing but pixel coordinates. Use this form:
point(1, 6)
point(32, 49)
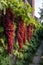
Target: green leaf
point(1, 29)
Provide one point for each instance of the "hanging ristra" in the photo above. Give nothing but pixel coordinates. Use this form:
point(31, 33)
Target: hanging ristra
point(8, 24)
point(30, 30)
point(21, 32)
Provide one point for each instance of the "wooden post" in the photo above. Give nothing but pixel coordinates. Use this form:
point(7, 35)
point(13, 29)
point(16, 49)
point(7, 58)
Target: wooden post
point(33, 7)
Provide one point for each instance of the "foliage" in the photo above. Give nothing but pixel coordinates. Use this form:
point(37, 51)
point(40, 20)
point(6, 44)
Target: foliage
point(5, 60)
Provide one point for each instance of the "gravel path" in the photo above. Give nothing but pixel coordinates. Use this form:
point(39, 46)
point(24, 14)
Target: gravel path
point(37, 57)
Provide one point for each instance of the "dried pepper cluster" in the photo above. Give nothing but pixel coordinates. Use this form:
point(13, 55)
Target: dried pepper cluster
point(8, 24)
point(21, 33)
point(30, 30)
